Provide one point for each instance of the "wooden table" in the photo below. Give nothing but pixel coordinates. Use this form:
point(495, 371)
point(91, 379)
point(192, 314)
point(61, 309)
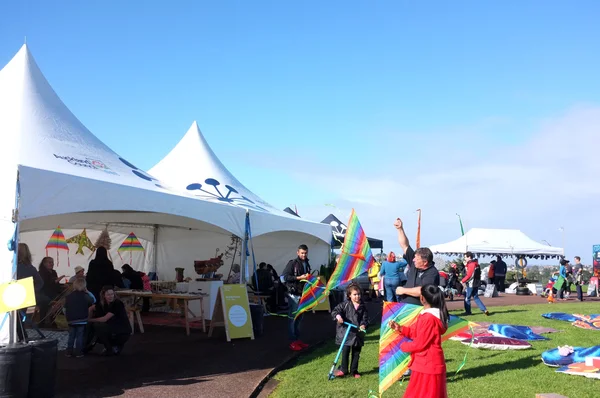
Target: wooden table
point(173, 296)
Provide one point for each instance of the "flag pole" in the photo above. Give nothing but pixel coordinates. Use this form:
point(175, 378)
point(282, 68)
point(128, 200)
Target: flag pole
point(419, 229)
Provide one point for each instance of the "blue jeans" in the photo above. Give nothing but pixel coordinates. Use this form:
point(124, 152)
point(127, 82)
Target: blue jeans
point(293, 324)
point(473, 293)
point(76, 333)
point(390, 285)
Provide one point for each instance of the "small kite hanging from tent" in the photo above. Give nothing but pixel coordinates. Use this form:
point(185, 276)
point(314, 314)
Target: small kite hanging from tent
point(57, 241)
point(131, 244)
point(82, 241)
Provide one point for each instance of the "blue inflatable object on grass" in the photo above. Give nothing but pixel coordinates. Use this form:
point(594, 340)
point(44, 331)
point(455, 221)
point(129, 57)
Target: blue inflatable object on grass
point(561, 316)
point(515, 332)
point(579, 354)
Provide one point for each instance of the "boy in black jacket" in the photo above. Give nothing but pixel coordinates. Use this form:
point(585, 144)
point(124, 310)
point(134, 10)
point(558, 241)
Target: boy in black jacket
point(77, 304)
point(355, 312)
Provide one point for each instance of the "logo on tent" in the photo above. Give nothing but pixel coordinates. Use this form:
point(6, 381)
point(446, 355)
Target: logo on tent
point(227, 197)
point(87, 162)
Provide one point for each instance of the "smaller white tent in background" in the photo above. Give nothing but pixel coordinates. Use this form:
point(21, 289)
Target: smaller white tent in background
point(497, 241)
point(192, 167)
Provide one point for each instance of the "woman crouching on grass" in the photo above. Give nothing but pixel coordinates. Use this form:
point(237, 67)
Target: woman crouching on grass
point(427, 363)
point(355, 312)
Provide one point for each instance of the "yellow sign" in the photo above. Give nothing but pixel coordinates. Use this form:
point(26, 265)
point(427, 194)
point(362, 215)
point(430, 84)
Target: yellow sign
point(323, 304)
point(17, 294)
point(232, 311)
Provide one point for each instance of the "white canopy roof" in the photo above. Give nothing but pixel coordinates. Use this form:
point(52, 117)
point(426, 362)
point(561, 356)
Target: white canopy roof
point(497, 241)
point(63, 166)
point(193, 167)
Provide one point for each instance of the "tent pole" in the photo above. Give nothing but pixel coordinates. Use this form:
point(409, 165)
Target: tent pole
point(155, 249)
point(14, 245)
point(245, 251)
point(253, 258)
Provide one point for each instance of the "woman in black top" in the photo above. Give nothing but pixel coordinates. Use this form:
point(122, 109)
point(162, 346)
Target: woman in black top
point(26, 269)
point(109, 322)
point(52, 286)
point(101, 272)
point(134, 277)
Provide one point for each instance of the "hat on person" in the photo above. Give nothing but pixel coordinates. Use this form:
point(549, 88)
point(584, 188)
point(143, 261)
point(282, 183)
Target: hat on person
point(564, 261)
point(79, 268)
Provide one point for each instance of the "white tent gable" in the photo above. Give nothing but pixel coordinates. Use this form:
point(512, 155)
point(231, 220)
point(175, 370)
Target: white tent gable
point(63, 166)
point(193, 167)
point(497, 241)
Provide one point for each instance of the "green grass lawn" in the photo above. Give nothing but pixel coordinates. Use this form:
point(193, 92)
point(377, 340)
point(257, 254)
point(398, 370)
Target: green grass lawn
point(508, 374)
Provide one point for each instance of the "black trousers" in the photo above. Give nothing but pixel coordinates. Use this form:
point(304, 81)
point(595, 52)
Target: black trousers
point(346, 357)
point(579, 291)
point(499, 280)
point(107, 338)
point(104, 335)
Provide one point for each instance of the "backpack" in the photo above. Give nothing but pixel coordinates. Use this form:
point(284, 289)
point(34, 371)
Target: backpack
point(477, 275)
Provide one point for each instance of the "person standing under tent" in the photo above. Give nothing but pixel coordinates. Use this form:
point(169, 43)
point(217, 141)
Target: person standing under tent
point(295, 274)
point(491, 275)
point(421, 269)
point(578, 277)
point(499, 274)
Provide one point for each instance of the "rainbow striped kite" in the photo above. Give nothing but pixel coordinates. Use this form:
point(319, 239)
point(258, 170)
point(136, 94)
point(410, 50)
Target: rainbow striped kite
point(57, 241)
point(131, 244)
point(356, 257)
point(312, 294)
point(393, 362)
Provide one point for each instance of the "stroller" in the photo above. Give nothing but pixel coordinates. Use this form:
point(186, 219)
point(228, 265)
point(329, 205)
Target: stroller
point(447, 282)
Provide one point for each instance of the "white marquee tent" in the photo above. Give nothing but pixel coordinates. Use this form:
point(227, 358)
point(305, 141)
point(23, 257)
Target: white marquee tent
point(193, 168)
point(497, 241)
point(68, 177)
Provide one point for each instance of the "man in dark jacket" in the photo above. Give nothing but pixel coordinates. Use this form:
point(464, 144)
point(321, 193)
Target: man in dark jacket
point(295, 274)
point(499, 274)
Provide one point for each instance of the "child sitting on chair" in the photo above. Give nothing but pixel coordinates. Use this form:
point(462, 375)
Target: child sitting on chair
point(355, 312)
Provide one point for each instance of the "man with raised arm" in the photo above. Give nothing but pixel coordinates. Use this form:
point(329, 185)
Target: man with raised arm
point(421, 270)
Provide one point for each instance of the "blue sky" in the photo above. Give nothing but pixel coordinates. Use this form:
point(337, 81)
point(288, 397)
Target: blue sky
point(394, 105)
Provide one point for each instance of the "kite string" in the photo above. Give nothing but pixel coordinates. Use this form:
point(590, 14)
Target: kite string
point(466, 351)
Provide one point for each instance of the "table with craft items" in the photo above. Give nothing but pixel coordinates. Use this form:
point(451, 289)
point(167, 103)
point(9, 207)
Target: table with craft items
point(185, 297)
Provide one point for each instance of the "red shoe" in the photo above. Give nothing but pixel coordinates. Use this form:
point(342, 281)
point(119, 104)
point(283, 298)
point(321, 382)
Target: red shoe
point(302, 344)
point(356, 376)
point(295, 347)
point(339, 373)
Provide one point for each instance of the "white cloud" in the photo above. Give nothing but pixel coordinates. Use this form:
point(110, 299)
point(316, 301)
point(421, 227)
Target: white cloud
point(551, 179)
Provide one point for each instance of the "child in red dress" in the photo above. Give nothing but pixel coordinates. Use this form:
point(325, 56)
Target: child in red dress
point(427, 363)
